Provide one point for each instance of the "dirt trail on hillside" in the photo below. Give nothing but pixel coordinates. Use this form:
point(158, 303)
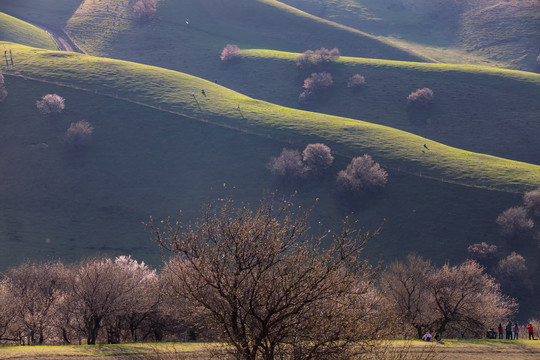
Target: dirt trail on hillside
point(61, 38)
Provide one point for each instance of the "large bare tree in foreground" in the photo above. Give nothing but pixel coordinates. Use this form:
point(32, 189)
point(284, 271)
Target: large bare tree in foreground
point(271, 291)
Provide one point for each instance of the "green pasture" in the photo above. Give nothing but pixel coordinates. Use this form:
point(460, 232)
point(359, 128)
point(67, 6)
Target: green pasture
point(53, 13)
point(172, 91)
point(18, 31)
point(449, 350)
point(474, 105)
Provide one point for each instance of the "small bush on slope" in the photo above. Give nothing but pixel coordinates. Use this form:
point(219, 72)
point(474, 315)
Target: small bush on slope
point(79, 134)
point(362, 174)
point(50, 104)
point(230, 52)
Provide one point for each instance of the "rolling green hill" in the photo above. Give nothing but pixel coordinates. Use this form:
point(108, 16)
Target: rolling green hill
point(50, 13)
point(109, 28)
point(477, 108)
point(18, 31)
point(145, 160)
point(172, 91)
point(491, 32)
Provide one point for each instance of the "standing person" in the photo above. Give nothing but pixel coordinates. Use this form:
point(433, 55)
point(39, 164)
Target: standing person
point(500, 331)
point(509, 331)
point(516, 331)
point(531, 331)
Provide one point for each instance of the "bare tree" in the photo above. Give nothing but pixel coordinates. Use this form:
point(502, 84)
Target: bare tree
point(288, 164)
point(515, 223)
point(406, 286)
point(7, 313)
point(36, 289)
point(512, 272)
point(315, 84)
point(356, 81)
point(79, 134)
point(267, 288)
point(458, 299)
point(362, 174)
point(317, 157)
point(318, 58)
point(51, 104)
point(99, 291)
point(531, 200)
point(483, 253)
point(420, 98)
point(145, 9)
point(230, 52)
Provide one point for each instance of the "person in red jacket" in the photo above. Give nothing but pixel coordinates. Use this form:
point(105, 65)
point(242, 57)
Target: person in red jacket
point(531, 331)
point(500, 331)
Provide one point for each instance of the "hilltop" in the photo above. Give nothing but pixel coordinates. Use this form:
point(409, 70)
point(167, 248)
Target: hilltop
point(486, 32)
point(18, 31)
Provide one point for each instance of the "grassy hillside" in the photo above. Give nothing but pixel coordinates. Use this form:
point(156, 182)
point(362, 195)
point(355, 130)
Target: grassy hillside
point(109, 28)
point(50, 13)
point(18, 31)
point(172, 91)
point(473, 105)
point(491, 32)
point(58, 204)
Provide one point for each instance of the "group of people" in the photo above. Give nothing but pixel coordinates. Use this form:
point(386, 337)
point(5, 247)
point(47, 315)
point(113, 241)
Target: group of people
point(512, 331)
point(427, 336)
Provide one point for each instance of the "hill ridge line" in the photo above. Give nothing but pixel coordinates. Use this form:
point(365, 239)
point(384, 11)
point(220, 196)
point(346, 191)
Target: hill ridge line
point(251, 132)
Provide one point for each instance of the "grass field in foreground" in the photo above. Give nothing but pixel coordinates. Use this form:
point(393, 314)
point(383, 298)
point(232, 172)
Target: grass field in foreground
point(172, 91)
point(448, 350)
point(18, 31)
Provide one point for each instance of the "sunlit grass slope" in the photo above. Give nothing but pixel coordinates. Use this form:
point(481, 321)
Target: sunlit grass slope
point(53, 13)
point(173, 91)
point(477, 108)
point(18, 31)
point(491, 32)
point(109, 28)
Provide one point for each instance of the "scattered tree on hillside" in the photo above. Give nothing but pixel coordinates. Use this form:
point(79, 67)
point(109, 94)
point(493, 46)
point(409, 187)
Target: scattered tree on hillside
point(356, 81)
point(531, 200)
point(145, 9)
point(318, 58)
point(420, 98)
point(514, 222)
point(460, 300)
point(269, 289)
point(512, 272)
point(315, 84)
point(51, 104)
point(288, 164)
point(79, 134)
point(362, 174)
point(483, 253)
point(230, 52)
point(538, 59)
point(3, 91)
point(317, 157)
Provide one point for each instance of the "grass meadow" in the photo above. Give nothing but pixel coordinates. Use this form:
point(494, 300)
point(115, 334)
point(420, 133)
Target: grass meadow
point(448, 350)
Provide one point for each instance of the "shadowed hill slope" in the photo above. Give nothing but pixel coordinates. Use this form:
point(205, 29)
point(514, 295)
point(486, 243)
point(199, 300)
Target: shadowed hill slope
point(495, 32)
point(18, 31)
point(189, 35)
point(173, 91)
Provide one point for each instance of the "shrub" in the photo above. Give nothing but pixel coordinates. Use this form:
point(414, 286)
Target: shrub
point(420, 98)
point(79, 134)
point(484, 253)
point(514, 222)
point(317, 58)
point(50, 104)
point(288, 164)
point(230, 52)
point(356, 81)
point(317, 157)
point(315, 84)
point(362, 174)
point(3, 91)
point(531, 200)
point(145, 9)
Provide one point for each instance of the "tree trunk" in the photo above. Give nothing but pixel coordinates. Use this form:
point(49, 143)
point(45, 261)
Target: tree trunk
point(93, 330)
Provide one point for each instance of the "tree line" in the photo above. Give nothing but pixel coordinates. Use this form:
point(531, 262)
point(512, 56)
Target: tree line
point(257, 279)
